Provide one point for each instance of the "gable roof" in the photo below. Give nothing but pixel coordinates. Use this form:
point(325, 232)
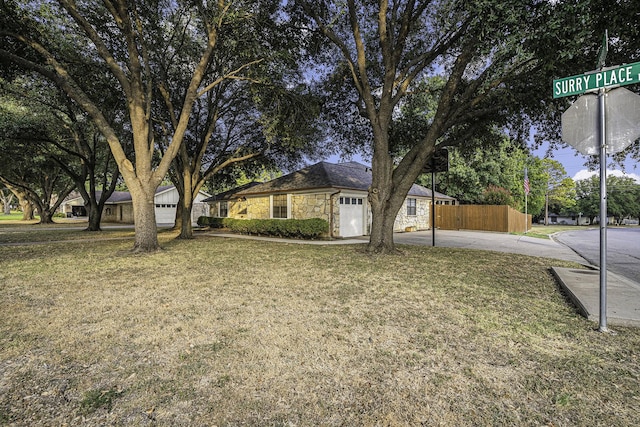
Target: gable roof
point(125, 196)
point(322, 175)
point(229, 194)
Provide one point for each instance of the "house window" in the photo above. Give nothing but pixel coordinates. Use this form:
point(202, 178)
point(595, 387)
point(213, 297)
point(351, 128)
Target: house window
point(223, 210)
point(411, 207)
point(279, 206)
point(351, 200)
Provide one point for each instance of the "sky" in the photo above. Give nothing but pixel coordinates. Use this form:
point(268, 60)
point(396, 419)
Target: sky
point(572, 161)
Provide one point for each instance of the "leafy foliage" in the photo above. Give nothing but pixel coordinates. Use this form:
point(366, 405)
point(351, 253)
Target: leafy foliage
point(623, 197)
point(33, 169)
point(495, 195)
point(474, 169)
point(403, 77)
point(67, 136)
point(560, 189)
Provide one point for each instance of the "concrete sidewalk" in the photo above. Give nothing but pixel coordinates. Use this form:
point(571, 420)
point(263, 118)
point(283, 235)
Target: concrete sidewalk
point(583, 288)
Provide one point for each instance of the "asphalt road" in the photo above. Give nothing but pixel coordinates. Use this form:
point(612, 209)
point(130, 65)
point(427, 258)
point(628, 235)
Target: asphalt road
point(501, 242)
point(623, 248)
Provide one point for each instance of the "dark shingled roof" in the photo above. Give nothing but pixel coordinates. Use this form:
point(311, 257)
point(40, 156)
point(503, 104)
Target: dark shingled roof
point(125, 196)
point(229, 194)
point(120, 196)
point(343, 176)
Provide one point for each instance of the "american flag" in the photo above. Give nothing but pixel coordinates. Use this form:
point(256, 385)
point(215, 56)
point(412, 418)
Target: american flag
point(526, 182)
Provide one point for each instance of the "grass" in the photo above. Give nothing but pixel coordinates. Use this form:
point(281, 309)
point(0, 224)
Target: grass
point(216, 331)
point(13, 217)
point(545, 231)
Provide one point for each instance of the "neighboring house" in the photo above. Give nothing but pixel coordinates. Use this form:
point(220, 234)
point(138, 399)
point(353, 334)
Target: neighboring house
point(335, 192)
point(629, 221)
point(574, 219)
point(119, 207)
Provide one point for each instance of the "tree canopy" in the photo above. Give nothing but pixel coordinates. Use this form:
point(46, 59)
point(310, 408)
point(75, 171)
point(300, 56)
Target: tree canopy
point(481, 64)
point(32, 173)
point(146, 50)
point(62, 131)
point(623, 197)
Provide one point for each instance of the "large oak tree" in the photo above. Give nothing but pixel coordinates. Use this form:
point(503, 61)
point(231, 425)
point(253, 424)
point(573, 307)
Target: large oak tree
point(127, 38)
point(492, 59)
point(55, 126)
point(30, 172)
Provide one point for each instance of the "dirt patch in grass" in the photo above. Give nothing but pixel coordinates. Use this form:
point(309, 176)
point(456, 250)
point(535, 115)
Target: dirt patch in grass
point(233, 332)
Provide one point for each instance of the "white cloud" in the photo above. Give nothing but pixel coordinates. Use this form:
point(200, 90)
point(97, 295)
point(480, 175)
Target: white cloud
point(585, 174)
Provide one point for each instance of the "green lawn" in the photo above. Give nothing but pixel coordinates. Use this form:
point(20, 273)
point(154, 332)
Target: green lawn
point(215, 331)
point(13, 217)
point(545, 231)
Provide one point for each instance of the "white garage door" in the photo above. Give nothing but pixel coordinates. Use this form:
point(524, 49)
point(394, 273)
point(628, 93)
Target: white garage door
point(351, 216)
point(165, 214)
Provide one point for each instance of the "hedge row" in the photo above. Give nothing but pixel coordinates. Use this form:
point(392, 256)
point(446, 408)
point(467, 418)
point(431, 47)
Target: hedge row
point(297, 228)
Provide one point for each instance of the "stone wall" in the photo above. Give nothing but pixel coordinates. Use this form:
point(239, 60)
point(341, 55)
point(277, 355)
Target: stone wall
point(257, 208)
point(305, 206)
point(121, 212)
point(420, 221)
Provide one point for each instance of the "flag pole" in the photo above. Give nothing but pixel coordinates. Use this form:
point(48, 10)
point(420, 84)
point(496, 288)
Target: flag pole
point(526, 197)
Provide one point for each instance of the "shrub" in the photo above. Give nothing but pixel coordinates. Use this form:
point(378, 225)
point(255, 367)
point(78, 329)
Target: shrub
point(209, 221)
point(295, 228)
point(495, 195)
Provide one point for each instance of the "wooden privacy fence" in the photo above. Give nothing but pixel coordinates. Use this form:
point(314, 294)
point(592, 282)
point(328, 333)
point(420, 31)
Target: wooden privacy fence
point(482, 217)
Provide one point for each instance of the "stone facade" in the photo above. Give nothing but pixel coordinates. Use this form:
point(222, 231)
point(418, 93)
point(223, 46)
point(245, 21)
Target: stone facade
point(258, 207)
point(319, 205)
point(419, 221)
point(305, 206)
point(121, 212)
point(302, 206)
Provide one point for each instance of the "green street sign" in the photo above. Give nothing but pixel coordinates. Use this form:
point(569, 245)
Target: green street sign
point(615, 76)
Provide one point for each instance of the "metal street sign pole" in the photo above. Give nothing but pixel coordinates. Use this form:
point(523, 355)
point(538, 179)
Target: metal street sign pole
point(439, 162)
point(603, 211)
point(608, 128)
point(433, 204)
point(602, 52)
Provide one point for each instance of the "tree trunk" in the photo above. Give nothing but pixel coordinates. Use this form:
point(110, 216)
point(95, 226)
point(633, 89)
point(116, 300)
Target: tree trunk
point(177, 223)
point(381, 239)
point(6, 202)
point(27, 209)
point(144, 217)
point(385, 204)
point(95, 216)
point(46, 216)
point(185, 202)
point(186, 228)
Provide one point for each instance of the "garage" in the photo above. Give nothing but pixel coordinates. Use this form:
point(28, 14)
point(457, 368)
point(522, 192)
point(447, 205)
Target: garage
point(165, 213)
point(352, 216)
